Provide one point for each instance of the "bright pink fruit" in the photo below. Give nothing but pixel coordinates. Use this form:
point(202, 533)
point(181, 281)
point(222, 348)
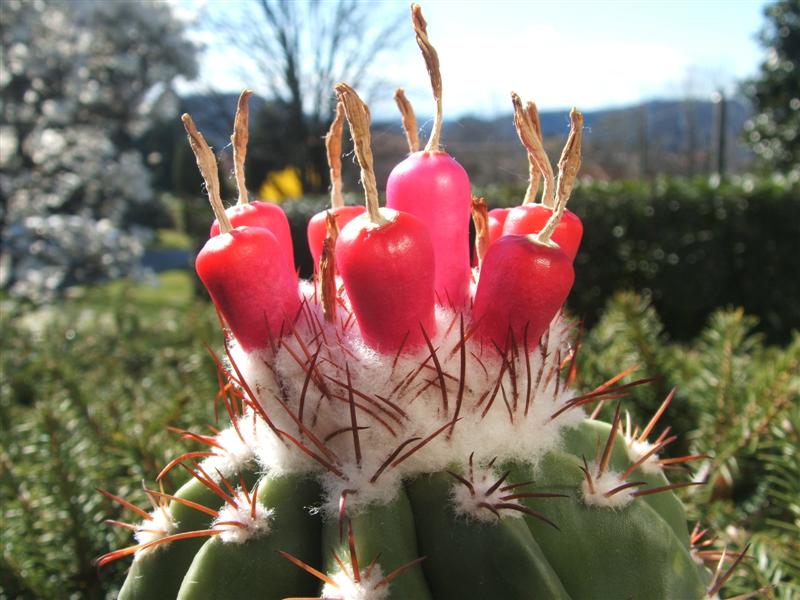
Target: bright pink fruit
point(318, 227)
point(435, 188)
point(531, 218)
point(522, 286)
point(262, 214)
point(250, 281)
point(388, 272)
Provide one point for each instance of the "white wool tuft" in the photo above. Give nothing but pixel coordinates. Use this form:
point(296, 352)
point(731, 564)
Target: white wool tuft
point(609, 480)
point(366, 493)
point(160, 526)
point(252, 525)
point(636, 449)
point(399, 399)
point(237, 449)
point(347, 589)
point(467, 503)
point(698, 560)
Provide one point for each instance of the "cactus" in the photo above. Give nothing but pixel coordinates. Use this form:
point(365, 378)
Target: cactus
point(446, 454)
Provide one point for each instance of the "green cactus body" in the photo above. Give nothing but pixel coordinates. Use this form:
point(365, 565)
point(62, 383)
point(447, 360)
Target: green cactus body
point(584, 440)
point(158, 573)
point(429, 507)
point(388, 534)
point(474, 559)
point(630, 552)
point(254, 568)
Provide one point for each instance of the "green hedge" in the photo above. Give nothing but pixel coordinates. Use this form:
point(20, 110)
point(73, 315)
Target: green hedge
point(688, 245)
point(693, 247)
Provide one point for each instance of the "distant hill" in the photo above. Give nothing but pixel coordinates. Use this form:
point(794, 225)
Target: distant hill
point(657, 136)
point(667, 121)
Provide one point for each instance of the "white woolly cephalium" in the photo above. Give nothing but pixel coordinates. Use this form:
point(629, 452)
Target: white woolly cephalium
point(331, 383)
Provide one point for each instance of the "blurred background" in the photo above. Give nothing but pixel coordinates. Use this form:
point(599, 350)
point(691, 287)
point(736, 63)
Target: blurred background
point(689, 195)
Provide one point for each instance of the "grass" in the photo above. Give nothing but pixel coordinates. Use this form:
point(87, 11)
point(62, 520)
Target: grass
point(173, 239)
point(173, 290)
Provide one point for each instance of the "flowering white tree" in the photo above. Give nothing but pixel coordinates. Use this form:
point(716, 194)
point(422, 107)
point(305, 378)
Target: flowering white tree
point(80, 83)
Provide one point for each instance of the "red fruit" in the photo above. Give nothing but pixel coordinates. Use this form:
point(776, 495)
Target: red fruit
point(388, 272)
point(432, 186)
point(497, 219)
point(262, 214)
point(246, 213)
point(525, 279)
point(246, 272)
point(523, 284)
point(531, 218)
point(385, 257)
point(317, 227)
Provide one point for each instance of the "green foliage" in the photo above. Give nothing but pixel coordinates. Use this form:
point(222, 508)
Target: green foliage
point(630, 333)
point(774, 133)
point(738, 402)
point(87, 393)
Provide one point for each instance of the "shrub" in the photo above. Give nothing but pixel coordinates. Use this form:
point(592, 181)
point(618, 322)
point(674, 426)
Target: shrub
point(737, 403)
point(690, 246)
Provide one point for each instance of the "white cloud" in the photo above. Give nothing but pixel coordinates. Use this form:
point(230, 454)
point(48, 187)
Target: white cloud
point(542, 64)
point(614, 55)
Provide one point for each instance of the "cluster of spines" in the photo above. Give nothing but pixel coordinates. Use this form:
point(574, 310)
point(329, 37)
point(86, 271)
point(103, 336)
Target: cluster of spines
point(497, 497)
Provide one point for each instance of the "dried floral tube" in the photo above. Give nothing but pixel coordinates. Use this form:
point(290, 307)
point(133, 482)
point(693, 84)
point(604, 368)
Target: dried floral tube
point(533, 218)
point(343, 214)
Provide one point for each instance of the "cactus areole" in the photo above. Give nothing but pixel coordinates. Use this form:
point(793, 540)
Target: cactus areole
point(383, 442)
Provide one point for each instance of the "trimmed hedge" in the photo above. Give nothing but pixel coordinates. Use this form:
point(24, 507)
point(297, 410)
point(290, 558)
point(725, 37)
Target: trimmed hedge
point(692, 248)
point(689, 245)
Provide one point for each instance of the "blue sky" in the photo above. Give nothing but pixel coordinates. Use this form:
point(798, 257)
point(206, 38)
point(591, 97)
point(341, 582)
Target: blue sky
point(586, 53)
